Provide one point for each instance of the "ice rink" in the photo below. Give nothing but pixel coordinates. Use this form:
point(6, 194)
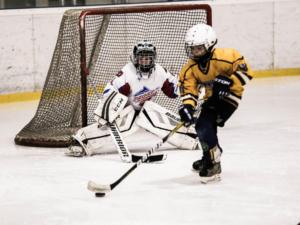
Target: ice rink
point(260, 181)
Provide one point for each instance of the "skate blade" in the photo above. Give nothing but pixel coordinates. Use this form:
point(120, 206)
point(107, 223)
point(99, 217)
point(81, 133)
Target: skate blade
point(74, 154)
point(212, 179)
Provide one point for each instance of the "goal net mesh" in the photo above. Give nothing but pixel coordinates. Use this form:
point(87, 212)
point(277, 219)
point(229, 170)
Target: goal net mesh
point(98, 43)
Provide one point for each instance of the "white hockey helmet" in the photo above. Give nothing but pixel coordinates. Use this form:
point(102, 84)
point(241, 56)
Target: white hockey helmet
point(144, 57)
point(200, 35)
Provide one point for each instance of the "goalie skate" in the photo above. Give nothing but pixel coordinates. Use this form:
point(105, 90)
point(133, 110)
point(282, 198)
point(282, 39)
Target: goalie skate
point(75, 151)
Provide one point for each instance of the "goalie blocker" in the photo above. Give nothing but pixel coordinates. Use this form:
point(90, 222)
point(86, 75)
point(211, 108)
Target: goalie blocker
point(153, 118)
point(110, 107)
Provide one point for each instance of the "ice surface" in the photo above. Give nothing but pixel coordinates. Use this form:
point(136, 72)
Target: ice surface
point(260, 180)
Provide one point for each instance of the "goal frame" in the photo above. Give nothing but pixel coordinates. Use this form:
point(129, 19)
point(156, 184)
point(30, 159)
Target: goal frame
point(73, 45)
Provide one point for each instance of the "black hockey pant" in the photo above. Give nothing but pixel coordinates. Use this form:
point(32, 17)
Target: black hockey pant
point(213, 114)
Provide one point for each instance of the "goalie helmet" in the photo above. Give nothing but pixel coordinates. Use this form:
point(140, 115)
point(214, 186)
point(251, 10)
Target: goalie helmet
point(199, 42)
point(144, 56)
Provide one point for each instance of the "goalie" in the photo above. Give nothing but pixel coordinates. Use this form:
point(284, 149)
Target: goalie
point(126, 106)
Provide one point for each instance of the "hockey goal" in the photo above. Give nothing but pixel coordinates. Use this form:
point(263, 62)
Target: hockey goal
point(97, 43)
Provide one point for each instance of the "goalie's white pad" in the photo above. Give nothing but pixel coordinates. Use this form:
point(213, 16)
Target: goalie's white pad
point(110, 107)
point(161, 121)
point(94, 136)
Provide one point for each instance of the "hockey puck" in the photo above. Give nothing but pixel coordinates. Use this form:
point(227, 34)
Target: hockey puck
point(99, 194)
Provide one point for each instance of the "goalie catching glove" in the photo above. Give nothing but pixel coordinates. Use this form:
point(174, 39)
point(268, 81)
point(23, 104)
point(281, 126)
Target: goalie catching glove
point(110, 107)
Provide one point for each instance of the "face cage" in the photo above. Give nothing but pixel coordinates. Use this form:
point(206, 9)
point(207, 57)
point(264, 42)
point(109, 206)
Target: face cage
point(188, 50)
point(145, 68)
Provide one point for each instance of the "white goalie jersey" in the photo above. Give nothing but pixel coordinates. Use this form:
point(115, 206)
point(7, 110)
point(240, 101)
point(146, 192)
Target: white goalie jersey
point(138, 89)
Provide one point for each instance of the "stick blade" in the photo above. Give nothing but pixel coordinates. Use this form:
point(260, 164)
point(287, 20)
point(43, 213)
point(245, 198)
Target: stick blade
point(157, 158)
point(151, 158)
point(98, 188)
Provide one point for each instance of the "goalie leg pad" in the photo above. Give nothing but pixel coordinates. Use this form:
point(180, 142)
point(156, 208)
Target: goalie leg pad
point(86, 135)
point(161, 121)
point(95, 136)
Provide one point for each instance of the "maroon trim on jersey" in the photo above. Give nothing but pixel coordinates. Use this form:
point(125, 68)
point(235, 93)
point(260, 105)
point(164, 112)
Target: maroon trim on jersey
point(120, 73)
point(125, 89)
point(168, 89)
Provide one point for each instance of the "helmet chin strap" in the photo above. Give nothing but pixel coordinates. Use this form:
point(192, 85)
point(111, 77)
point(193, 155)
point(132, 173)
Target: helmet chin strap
point(202, 60)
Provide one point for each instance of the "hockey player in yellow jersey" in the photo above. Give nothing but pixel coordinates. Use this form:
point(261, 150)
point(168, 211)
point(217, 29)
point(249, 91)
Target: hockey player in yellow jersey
point(223, 73)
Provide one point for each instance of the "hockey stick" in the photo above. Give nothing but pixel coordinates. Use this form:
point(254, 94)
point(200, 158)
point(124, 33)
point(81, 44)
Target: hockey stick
point(100, 189)
point(123, 151)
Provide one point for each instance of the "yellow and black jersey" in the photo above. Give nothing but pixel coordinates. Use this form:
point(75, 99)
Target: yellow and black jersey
point(224, 61)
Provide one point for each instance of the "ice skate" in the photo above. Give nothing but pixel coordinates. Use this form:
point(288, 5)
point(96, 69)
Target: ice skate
point(211, 173)
point(210, 165)
point(197, 165)
point(75, 150)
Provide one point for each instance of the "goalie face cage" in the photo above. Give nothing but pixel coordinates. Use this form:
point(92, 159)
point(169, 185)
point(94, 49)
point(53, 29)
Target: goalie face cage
point(98, 43)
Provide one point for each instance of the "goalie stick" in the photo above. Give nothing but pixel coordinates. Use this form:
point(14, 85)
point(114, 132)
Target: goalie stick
point(115, 133)
point(125, 154)
point(102, 189)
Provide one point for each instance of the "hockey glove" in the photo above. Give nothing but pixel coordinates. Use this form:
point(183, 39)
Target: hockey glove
point(110, 107)
point(186, 114)
point(221, 86)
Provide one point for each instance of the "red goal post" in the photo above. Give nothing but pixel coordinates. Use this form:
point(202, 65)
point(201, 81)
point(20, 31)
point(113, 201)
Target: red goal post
point(97, 43)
